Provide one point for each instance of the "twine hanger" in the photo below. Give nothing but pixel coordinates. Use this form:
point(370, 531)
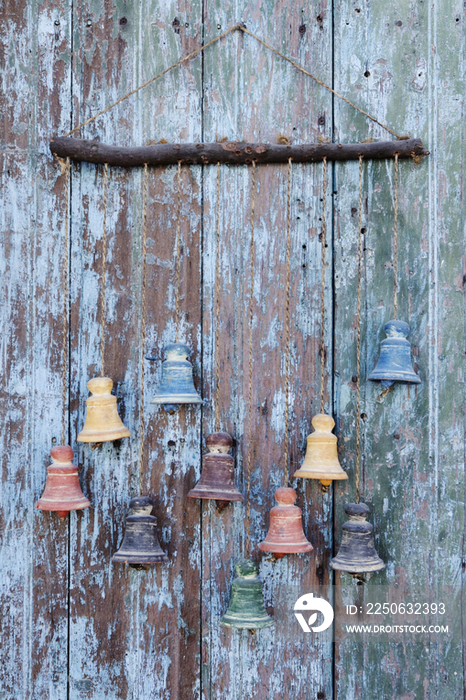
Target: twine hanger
point(217, 307)
point(322, 294)
point(177, 256)
point(358, 353)
point(395, 240)
point(287, 326)
point(102, 278)
point(143, 322)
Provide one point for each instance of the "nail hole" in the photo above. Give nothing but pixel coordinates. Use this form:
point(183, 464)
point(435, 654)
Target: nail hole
point(366, 74)
point(123, 21)
point(399, 23)
point(302, 29)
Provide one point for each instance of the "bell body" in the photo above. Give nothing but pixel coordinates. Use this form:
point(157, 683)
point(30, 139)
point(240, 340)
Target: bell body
point(177, 385)
point(395, 364)
point(62, 491)
point(102, 420)
point(140, 544)
point(217, 471)
point(246, 609)
point(285, 535)
point(321, 459)
point(357, 553)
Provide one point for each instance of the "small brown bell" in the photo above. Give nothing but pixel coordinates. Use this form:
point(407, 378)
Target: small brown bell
point(285, 535)
point(321, 460)
point(62, 491)
point(102, 422)
point(217, 471)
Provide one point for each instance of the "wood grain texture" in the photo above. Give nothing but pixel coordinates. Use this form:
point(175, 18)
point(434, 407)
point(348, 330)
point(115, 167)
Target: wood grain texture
point(74, 624)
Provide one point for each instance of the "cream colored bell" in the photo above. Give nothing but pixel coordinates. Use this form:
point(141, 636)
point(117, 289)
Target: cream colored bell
point(321, 460)
point(102, 420)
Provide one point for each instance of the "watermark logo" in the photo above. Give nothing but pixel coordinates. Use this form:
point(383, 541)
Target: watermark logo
point(309, 604)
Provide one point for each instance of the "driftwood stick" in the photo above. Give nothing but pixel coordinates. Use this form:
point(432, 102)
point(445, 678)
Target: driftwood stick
point(230, 152)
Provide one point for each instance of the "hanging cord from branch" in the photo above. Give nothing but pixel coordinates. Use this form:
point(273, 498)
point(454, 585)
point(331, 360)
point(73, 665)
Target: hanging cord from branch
point(143, 322)
point(65, 170)
point(395, 241)
point(104, 269)
point(217, 308)
point(322, 298)
point(287, 325)
point(251, 316)
point(177, 257)
point(190, 56)
point(358, 360)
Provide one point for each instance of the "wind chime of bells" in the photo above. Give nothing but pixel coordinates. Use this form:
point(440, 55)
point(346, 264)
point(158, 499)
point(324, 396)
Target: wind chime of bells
point(140, 545)
point(62, 491)
point(357, 554)
point(102, 422)
point(395, 364)
point(176, 385)
point(246, 609)
point(216, 480)
point(321, 459)
point(285, 535)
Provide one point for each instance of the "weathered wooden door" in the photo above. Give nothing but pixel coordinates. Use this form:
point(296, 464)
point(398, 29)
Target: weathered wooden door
point(74, 625)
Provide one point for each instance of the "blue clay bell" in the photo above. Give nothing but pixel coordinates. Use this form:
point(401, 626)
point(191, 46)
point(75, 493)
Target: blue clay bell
point(177, 385)
point(395, 364)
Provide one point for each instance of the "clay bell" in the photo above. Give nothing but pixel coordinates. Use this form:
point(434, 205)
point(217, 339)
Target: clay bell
point(217, 471)
point(246, 609)
point(321, 460)
point(102, 420)
point(177, 385)
point(62, 491)
point(285, 535)
point(140, 544)
point(357, 553)
point(395, 363)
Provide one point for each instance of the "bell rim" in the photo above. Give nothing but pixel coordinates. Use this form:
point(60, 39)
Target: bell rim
point(355, 569)
point(216, 495)
point(304, 474)
point(149, 559)
point(261, 623)
point(285, 548)
point(63, 505)
point(405, 378)
point(176, 398)
point(99, 436)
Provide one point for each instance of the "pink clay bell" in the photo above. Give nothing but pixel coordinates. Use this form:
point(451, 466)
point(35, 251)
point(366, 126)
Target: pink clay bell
point(285, 535)
point(62, 491)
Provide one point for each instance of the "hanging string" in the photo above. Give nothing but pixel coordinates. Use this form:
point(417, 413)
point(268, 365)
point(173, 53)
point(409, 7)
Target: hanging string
point(143, 322)
point(251, 315)
point(322, 298)
point(65, 170)
point(104, 268)
point(287, 324)
point(190, 56)
point(358, 360)
point(395, 241)
point(217, 308)
point(177, 257)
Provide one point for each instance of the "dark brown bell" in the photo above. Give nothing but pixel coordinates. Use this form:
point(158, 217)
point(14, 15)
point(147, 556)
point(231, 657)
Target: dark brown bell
point(285, 535)
point(62, 491)
point(357, 553)
point(217, 471)
point(140, 544)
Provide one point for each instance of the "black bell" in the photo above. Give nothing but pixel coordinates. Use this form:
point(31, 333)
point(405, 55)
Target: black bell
point(357, 553)
point(140, 544)
point(395, 363)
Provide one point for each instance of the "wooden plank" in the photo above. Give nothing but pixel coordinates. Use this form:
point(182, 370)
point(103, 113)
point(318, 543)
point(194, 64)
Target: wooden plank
point(251, 96)
point(135, 633)
point(389, 58)
point(33, 555)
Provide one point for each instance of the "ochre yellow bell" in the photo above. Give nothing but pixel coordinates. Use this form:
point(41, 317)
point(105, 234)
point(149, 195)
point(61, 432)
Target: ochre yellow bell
point(102, 420)
point(321, 460)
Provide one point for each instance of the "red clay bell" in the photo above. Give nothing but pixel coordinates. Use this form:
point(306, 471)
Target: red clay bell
point(285, 535)
point(217, 472)
point(62, 491)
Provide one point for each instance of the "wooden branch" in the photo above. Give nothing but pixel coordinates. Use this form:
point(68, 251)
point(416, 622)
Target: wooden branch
point(230, 152)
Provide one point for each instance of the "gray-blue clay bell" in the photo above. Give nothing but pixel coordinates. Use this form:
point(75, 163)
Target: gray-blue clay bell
point(395, 364)
point(176, 386)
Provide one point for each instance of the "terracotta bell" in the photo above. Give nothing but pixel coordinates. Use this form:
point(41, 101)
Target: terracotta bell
point(321, 460)
point(62, 491)
point(395, 363)
point(246, 609)
point(357, 553)
point(217, 472)
point(285, 535)
point(102, 420)
point(177, 385)
point(140, 543)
